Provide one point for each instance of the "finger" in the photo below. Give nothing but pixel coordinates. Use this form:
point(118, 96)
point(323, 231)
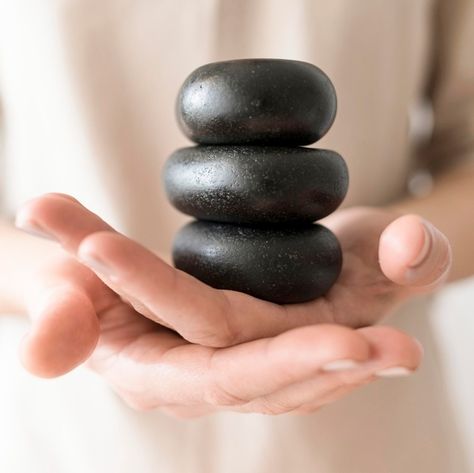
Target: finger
point(154, 288)
point(193, 375)
point(198, 312)
point(310, 394)
point(59, 217)
point(63, 334)
point(391, 353)
point(64, 196)
point(158, 291)
point(250, 371)
point(63, 218)
point(394, 353)
point(174, 373)
point(63, 305)
point(413, 253)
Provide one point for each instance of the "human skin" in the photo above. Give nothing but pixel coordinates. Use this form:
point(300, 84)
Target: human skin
point(102, 299)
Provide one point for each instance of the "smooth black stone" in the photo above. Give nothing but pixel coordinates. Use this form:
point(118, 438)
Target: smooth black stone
point(280, 264)
point(256, 184)
point(257, 101)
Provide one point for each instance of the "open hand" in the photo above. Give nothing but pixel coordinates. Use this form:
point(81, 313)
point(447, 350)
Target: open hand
point(225, 349)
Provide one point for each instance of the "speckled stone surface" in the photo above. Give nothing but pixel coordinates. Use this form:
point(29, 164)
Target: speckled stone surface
point(256, 184)
point(257, 101)
point(252, 186)
point(278, 264)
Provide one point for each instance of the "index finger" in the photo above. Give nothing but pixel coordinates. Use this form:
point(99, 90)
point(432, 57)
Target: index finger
point(198, 312)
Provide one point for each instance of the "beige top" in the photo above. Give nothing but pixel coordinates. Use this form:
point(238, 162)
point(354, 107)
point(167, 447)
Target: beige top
point(88, 90)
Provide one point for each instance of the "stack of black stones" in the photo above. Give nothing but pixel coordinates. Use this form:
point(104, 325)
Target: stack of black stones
point(252, 186)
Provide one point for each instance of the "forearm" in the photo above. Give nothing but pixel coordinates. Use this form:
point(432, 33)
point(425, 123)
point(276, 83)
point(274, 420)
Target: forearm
point(20, 255)
point(450, 207)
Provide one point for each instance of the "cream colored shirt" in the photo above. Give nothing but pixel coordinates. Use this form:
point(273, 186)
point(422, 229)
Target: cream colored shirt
point(87, 93)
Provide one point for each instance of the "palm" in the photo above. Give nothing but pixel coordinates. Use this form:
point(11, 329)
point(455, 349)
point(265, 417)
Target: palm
point(149, 365)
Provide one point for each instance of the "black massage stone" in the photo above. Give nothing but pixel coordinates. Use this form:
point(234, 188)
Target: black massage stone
point(254, 190)
point(256, 184)
point(257, 101)
point(279, 264)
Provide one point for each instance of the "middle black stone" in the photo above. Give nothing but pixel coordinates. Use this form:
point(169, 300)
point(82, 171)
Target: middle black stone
point(256, 184)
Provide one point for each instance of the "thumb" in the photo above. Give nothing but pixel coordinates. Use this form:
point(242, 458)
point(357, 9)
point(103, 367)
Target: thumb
point(64, 331)
point(413, 253)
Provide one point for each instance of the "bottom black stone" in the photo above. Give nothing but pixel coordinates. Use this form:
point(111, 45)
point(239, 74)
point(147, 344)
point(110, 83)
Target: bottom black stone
point(279, 264)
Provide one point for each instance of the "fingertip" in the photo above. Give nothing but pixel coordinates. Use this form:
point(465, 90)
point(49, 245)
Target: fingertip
point(392, 348)
point(435, 268)
point(402, 243)
point(35, 206)
point(61, 218)
point(412, 252)
point(64, 196)
point(62, 336)
point(32, 214)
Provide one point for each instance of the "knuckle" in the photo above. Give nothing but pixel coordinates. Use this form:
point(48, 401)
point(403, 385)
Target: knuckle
point(102, 241)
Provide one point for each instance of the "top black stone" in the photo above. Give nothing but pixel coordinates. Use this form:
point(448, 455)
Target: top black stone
point(257, 101)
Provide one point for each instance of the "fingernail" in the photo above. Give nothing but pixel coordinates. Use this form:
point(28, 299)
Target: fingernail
point(394, 372)
point(428, 241)
point(95, 264)
point(432, 266)
point(340, 365)
point(34, 229)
